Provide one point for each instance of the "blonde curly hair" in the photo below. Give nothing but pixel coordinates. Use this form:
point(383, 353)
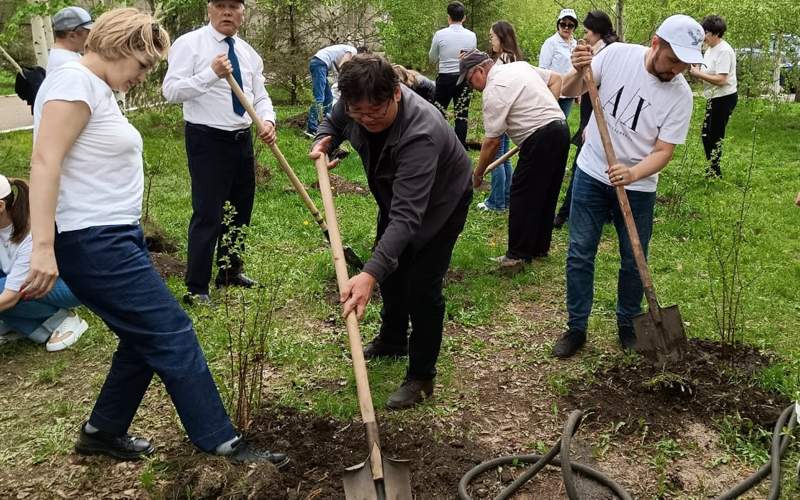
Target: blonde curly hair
point(128, 32)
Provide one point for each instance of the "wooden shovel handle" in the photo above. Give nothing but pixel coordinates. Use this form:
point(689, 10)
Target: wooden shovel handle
point(353, 334)
point(511, 152)
point(298, 186)
point(622, 197)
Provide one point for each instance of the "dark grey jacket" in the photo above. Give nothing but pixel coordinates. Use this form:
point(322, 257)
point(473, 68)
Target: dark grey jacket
point(421, 175)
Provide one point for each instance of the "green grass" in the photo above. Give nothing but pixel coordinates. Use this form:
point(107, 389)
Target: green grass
point(308, 348)
point(7, 79)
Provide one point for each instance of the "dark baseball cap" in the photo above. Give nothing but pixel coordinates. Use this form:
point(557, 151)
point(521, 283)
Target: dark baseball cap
point(72, 18)
point(469, 60)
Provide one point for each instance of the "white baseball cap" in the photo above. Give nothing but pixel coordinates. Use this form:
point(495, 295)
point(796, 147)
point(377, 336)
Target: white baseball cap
point(5, 187)
point(567, 13)
point(685, 36)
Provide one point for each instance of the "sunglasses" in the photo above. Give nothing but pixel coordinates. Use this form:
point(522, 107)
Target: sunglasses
point(567, 26)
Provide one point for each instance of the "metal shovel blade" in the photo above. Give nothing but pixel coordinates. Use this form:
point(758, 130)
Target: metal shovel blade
point(395, 485)
point(663, 342)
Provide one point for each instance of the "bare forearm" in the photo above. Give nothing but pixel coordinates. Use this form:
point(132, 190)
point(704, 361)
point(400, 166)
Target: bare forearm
point(651, 164)
point(554, 84)
point(717, 80)
point(8, 300)
point(489, 148)
point(572, 83)
point(43, 198)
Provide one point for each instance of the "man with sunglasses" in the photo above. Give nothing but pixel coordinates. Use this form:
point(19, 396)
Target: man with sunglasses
point(556, 51)
point(71, 27)
point(419, 174)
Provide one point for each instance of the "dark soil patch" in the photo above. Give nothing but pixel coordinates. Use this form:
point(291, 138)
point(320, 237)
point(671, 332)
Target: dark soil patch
point(295, 121)
point(263, 174)
point(156, 239)
point(712, 381)
point(167, 265)
point(340, 185)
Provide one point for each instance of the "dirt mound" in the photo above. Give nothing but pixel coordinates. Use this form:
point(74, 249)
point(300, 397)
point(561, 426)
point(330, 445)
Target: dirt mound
point(713, 381)
point(340, 185)
point(167, 265)
point(217, 478)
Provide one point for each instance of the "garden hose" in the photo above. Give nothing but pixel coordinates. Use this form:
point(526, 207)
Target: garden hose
point(780, 441)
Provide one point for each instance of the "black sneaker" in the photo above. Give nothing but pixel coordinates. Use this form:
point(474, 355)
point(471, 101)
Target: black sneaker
point(627, 337)
point(197, 299)
point(559, 221)
point(238, 279)
point(410, 393)
point(379, 348)
point(569, 343)
point(124, 447)
point(245, 452)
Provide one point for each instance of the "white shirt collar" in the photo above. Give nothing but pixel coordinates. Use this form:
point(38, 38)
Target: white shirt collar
point(217, 35)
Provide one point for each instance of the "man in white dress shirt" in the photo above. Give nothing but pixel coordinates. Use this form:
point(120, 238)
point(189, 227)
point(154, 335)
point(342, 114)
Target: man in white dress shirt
point(71, 27)
point(219, 145)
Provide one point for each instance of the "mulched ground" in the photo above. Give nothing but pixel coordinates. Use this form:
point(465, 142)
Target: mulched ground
point(340, 185)
point(712, 381)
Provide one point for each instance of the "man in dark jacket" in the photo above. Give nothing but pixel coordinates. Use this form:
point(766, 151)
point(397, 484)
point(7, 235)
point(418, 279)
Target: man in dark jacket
point(420, 176)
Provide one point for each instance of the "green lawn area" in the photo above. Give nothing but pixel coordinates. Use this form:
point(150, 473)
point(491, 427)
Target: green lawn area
point(307, 344)
point(6, 82)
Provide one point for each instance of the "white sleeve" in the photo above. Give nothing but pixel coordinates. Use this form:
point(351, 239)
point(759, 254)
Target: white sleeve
point(676, 124)
point(71, 84)
point(544, 74)
point(495, 111)
point(20, 266)
point(725, 63)
point(181, 83)
point(433, 54)
point(261, 100)
point(546, 55)
point(598, 64)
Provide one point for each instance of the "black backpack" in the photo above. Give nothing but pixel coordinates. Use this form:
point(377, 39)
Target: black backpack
point(27, 84)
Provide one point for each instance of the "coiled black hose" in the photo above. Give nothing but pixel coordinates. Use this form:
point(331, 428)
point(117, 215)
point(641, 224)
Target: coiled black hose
point(780, 442)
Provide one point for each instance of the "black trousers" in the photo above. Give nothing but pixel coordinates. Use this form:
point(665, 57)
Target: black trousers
point(446, 91)
point(414, 292)
point(564, 210)
point(718, 111)
point(221, 166)
point(534, 191)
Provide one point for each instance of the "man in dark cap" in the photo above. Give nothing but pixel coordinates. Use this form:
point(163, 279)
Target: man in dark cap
point(71, 27)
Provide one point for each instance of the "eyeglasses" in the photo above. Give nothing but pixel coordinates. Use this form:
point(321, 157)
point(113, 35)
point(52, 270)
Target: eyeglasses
point(567, 26)
point(371, 115)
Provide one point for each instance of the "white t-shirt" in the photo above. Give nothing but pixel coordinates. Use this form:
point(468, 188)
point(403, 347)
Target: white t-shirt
point(720, 60)
point(639, 109)
point(331, 55)
point(101, 175)
point(57, 57)
point(517, 101)
point(15, 258)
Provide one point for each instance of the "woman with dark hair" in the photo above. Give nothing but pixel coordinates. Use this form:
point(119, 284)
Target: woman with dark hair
point(504, 50)
point(599, 34)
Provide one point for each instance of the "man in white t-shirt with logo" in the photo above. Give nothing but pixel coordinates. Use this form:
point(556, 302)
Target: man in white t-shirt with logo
point(648, 105)
point(719, 78)
point(71, 27)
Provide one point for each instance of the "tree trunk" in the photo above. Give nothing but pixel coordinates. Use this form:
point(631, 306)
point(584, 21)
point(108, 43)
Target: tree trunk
point(776, 68)
point(620, 14)
point(39, 36)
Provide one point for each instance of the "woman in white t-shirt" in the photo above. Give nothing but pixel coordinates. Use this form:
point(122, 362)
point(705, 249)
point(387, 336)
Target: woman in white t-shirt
point(48, 319)
point(87, 183)
point(720, 90)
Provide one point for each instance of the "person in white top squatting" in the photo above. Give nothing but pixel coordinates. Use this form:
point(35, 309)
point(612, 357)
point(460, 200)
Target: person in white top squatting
point(648, 105)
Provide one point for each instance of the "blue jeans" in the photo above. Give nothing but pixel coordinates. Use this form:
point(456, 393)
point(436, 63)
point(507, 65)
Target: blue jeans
point(36, 319)
point(565, 103)
point(591, 202)
point(501, 179)
point(117, 282)
point(323, 97)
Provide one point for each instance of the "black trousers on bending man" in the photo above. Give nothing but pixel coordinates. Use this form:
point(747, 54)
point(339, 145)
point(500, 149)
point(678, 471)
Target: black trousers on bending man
point(447, 90)
point(718, 111)
point(221, 166)
point(534, 191)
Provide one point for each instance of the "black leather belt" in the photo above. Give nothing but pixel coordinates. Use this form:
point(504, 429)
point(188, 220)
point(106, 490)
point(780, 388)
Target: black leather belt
point(229, 135)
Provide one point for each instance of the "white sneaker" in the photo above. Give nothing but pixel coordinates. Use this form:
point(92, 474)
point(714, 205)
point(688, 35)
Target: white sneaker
point(67, 333)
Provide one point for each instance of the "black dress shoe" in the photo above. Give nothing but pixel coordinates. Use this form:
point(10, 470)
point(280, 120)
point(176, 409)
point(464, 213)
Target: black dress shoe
point(124, 447)
point(627, 337)
point(235, 280)
point(410, 393)
point(197, 299)
point(244, 452)
point(569, 343)
point(379, 348)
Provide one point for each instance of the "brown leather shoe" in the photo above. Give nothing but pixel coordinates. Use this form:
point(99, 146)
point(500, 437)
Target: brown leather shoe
point(410, 393)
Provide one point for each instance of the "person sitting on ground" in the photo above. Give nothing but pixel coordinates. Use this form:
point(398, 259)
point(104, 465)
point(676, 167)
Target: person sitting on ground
point(599, 33)
point(419, 174)
point(71, 27)
point(87, 181)
point(648, 106)
point(49, 319)
point(320, 66)
point(504, 50)
point(719, 79)
point(416, 81)
point(517, 101)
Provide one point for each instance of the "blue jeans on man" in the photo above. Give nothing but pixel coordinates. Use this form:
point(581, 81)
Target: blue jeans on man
point(323, 96)
point(591, 202)
point(117, 282)
point(500, 193)
point(565, 103)
point(36, 319)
